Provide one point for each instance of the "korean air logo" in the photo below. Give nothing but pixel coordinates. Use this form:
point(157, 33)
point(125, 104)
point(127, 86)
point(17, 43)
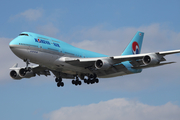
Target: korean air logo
point(135, 48)
point(46, 42)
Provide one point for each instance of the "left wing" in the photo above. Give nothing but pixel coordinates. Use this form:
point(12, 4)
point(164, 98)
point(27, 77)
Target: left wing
point(138, 61)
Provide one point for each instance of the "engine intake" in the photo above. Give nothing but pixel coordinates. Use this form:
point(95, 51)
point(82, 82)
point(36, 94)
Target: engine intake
point(102, 64)
point(26, 74)
point(14, 74)
point(151, 59)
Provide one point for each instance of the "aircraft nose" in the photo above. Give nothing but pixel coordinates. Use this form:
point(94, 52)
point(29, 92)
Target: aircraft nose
point(13, 43)
point(14, 46)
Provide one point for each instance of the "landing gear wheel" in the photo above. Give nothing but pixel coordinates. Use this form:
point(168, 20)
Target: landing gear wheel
point(79, 82)
point(88, 82)
point(92, 81)
point(97, 80)
point(76, 83)
point(73, 81)
point(60, 84)
point(58, 79)
point(85, 80)
point(92, 78)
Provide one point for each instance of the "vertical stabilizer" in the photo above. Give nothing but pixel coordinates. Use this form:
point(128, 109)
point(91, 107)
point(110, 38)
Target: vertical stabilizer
point(134, 47)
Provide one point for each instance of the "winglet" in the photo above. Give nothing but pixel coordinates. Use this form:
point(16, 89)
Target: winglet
point(134, 47)
point(14, 66)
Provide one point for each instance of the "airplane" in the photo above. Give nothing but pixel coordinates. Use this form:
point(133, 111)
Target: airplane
point(68, 62)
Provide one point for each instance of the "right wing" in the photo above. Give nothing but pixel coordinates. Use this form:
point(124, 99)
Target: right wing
point(20, 72)
point(137, 61)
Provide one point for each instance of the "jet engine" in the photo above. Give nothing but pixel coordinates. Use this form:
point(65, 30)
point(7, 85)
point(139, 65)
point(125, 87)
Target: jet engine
point(15, 74)
point(20, 73)
point(102, 64)
point(151, 59)
point(26, 73)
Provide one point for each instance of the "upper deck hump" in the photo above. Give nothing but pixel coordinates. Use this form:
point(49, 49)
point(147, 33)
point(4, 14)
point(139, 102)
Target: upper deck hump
point(38, 36)
point(67, 48)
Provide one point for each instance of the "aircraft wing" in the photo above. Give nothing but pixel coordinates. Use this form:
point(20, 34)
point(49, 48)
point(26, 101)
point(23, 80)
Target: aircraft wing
point(40, 70)
point(37, 69)
point(169, 52)
point(138, 61)
point(19, 72)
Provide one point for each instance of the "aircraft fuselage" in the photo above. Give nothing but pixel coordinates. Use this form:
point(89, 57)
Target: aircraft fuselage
point(51, 53)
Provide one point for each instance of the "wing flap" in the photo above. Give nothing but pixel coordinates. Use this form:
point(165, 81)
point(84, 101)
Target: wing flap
point(148, 66)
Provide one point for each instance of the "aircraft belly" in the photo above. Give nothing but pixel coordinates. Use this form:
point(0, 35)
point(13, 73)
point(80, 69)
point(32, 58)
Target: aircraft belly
point(69, 69)
point(49, 60)
point(115, 71)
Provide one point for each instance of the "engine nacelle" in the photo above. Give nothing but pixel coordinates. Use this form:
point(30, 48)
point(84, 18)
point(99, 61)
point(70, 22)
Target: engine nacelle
point(151, 59)
point(26, 74)
point(15, 74)
point(102, 64)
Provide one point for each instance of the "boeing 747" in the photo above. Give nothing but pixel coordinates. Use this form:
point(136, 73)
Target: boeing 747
point(66, 61)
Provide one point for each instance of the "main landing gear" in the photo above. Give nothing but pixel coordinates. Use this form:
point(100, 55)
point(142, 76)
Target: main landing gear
point(59, 82)
point(77, 81)
point(91, 80)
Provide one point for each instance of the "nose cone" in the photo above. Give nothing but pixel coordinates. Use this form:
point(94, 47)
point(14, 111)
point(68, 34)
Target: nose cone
point(13, 43)
point(14, 46)
point(19, 46)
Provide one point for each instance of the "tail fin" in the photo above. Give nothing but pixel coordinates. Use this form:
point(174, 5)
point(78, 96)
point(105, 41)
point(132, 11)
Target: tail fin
point(134, 47)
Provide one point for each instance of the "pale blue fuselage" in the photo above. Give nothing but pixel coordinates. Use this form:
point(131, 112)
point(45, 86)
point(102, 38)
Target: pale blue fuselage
point(49, 52)
point(54, 44)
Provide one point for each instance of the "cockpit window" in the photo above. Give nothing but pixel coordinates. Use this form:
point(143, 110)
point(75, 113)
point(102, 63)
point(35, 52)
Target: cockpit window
point(23, 34)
